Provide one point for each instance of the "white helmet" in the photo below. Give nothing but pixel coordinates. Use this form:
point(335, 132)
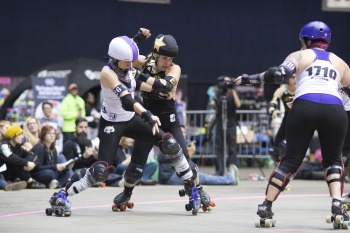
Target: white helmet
point(123, 48)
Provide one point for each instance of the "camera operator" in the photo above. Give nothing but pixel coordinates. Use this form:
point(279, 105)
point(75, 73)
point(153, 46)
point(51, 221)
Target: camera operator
point(224, 90)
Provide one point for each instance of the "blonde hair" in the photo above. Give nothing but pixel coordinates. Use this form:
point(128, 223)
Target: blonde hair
point(33, 139)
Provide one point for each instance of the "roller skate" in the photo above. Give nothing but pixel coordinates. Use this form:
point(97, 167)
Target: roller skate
point(265, 213)
point(205, 200)
point(121, 202)
point(194, 199)
point(339, 217)
point(60, 205)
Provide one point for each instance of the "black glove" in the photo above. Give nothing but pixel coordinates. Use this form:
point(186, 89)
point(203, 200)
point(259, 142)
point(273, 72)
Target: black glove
point(147, 117)
point(250, 79)
point(139, 37)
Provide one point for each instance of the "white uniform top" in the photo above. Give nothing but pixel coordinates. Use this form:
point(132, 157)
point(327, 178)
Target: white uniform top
point(320, 77)
point(111, 109)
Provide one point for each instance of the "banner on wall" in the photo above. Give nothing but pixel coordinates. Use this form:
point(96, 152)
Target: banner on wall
point(52, 89)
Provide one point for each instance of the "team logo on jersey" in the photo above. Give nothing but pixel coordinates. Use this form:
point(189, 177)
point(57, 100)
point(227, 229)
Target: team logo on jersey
point(109, 129)
point(172, 117)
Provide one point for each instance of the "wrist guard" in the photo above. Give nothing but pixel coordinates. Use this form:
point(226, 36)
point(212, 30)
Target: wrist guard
point(139, 37)
point(271, 105)
point(147, 117)
point(250, 79)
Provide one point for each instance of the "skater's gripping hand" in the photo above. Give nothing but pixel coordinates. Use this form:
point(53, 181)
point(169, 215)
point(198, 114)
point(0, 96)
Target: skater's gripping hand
point(60, 167)
point(151, 120)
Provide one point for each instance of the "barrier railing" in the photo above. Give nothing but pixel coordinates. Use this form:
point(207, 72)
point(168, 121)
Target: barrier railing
point(252, 138)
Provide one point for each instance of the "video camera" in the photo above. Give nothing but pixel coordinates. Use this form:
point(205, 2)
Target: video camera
point(224, 83)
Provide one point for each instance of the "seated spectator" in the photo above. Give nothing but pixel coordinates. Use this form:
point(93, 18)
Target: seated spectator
point(123, 159)
point(6, 185)
point(18, 160)
point(80, 147)
point(31, 132)
point(49, 119)
point(52, 171)
point(167, 174)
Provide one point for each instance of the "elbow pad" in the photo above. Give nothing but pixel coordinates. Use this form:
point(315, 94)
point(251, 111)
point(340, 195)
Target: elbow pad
point(279, 74)
point(158, 86)
point(128, 103)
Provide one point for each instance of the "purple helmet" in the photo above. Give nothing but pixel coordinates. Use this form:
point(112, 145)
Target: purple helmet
point(316, 30)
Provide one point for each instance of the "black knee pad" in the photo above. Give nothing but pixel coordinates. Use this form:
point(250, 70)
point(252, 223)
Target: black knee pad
point(283, 177)
point(194, 168)
point(168, 144)
point(133, 173)
point(100, 171)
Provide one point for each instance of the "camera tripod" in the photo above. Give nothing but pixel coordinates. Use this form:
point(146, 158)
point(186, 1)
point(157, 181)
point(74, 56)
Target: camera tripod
point(224, 131)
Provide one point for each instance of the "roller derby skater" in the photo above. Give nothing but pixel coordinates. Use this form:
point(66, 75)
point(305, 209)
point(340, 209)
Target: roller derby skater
point(316, 96)
point(160, 71)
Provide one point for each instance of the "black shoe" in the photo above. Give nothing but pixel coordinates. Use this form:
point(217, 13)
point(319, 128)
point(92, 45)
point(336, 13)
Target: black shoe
point(148, 182)
point(35, 185)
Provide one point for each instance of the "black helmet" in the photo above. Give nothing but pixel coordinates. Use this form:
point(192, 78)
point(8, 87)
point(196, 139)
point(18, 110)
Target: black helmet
point(165, 45)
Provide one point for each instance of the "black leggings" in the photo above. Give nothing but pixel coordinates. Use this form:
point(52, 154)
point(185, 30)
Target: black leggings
point(111, 132)
point(331, 123)
point(142, 148)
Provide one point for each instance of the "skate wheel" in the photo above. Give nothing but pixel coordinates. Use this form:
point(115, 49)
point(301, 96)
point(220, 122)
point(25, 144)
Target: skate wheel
point(288, 187)
point(58, 212)
point(67, 214)
point(130, 205)
point(273, 222)
point(345, 225)
point(336, 225)
point(194, 212)
point(212, 204)
point(48, 211)
point(268, 223)
point(257, 223)
point(122, 207)
point(205, 208)
point(346, 207)
point(182, 192)
point(188, 207)
point(115, 208)
point(339, 219)
point(328, 219)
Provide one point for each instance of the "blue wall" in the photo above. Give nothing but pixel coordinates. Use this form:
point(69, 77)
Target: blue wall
point(215, 37)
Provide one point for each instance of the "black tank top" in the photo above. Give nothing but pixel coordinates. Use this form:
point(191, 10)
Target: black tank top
point(151, 101)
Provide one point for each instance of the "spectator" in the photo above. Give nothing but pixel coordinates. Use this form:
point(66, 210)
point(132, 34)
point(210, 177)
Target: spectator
point(18, 160)
point(123, 160)
point(167, 175)
point(79, 146)
point(72, 107)
point(7, 185)
point(92, 116)
point(225, 90)
point(31, 132)
point(181, 107)
point(52, 171)
point(49, 119)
